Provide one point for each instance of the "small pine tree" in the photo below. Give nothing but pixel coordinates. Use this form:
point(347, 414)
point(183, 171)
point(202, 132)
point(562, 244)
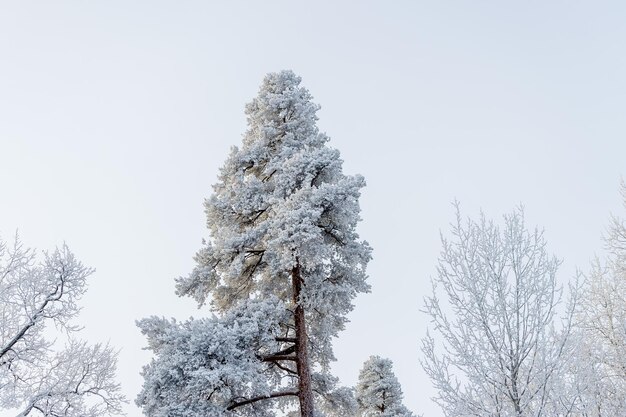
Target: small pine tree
point(378, 392)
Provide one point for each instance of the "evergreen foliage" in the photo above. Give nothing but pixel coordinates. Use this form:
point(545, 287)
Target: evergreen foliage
point(378, 392)
point(283, 241)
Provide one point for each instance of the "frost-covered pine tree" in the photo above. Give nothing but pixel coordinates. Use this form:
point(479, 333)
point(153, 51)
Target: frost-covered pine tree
point(378, 392)
point(281, 268)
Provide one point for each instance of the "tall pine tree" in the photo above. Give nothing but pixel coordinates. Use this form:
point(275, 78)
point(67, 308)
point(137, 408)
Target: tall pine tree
point(281, 268)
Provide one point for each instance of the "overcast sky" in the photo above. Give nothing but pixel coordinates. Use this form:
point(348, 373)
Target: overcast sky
point(115, 117)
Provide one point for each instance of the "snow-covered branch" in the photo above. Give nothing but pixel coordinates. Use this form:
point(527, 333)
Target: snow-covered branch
point(501, 352)
point(34, 374)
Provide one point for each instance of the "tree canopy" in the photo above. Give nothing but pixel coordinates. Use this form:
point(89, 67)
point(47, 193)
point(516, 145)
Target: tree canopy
point(282, 222)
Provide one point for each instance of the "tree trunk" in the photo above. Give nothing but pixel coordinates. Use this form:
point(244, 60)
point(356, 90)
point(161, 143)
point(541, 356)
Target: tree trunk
point(305, 390)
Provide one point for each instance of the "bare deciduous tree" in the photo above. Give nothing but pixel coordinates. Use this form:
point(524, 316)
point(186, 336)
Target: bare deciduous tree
point(500, 350)
point(36, 378)
point(600, 361)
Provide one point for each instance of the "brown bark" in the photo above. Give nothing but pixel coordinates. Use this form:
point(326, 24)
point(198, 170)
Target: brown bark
point(262, 397)
point(305, 389)
point(275, 358)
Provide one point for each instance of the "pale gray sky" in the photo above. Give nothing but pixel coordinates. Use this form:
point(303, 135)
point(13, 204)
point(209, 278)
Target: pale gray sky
point(115, 117)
